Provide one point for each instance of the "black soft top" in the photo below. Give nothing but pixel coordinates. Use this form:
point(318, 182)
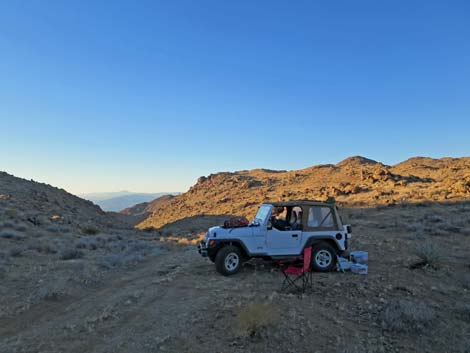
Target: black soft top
point(329, 202)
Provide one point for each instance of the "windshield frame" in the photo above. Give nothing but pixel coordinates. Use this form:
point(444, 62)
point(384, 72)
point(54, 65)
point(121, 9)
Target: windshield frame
point(260, 221)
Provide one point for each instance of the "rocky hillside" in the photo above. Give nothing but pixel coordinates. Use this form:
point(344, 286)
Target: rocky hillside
point(36, 205)
point(355, 181)
point(142, 210)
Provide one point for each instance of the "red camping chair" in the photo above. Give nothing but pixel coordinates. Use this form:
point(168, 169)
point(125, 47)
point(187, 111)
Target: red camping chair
point(298, 277)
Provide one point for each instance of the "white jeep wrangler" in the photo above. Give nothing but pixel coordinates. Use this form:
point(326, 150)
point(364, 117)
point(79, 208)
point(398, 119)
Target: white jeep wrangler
point(280, 231)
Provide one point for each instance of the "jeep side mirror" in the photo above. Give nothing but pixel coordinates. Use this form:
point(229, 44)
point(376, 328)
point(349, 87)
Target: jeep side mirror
point(270, 225)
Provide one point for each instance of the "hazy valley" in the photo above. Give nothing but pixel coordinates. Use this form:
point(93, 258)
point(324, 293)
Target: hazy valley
point(118, 201)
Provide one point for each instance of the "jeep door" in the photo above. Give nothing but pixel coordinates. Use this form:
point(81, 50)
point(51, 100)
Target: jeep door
point(286, 240)
point(283, 242)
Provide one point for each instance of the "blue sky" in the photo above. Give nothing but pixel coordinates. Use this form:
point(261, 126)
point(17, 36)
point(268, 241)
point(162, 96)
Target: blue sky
point(149, 95)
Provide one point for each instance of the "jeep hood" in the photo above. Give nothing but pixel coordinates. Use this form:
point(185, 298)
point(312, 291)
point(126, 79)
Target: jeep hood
point(222, 232)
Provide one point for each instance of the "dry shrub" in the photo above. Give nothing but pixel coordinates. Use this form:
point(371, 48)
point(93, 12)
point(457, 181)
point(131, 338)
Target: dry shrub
point(402, 315)
point(70, 254)
point(53, 229)
point(44, 247)
point(133, 259)
point(110, 261)
point(12, 234)
point(37, 233)
point(253, 319)
point(90, 243)
point(361, 349)
point(90, 230)
point(466, 281)
point(463, 311)
point(430, 256)
point(415, 227)
point(433, 218)
point(21, 227)
point(182, 240)
point(88, 275)
point(11, 213)
point(442, 229)
point(53, 291)
point(466, 346)
point(16, 251)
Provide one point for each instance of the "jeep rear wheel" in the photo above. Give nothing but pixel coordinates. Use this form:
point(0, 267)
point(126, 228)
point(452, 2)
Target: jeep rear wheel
point(228, 260)
point(323, 258)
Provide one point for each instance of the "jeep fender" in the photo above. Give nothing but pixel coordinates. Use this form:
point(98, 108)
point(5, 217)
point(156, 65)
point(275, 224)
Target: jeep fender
point(313, 240)
point(236, 242)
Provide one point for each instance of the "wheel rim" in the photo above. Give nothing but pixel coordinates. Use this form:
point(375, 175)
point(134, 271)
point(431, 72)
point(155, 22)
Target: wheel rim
point(323, 258)
point(231, 261)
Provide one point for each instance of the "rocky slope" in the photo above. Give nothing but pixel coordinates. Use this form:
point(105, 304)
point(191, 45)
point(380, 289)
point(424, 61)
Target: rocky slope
point(32, 205)
point(354, 181)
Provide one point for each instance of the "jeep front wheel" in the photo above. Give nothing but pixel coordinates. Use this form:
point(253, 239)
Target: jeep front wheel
point(323, 258)
point(228, 260)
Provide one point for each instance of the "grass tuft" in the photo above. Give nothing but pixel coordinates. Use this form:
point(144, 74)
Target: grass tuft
point(402, 315)
point(429, 255)
point(253, 319)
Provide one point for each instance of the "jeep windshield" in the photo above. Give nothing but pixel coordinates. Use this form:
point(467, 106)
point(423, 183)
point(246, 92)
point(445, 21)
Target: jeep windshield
point(262, 215)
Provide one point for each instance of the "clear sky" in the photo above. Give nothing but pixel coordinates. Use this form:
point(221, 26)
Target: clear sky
point(148, 95)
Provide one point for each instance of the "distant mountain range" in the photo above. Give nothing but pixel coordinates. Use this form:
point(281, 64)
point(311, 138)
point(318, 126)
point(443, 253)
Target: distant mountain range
point(118, 201)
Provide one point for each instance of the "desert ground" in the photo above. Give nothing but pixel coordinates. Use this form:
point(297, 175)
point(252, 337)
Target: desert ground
point(113, 289)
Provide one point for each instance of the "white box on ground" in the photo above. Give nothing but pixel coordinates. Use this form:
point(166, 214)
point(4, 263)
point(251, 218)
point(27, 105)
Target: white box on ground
point(360, 269)
point(344, 264)
point(360, 257)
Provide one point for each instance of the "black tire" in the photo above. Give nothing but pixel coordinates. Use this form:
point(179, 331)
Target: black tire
point(323, 257)
point(228, 260)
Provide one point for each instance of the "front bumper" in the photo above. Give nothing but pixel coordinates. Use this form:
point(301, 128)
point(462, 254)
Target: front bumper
point(202, 249)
